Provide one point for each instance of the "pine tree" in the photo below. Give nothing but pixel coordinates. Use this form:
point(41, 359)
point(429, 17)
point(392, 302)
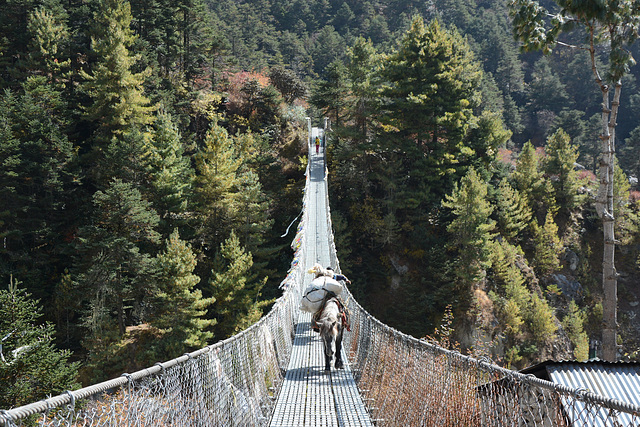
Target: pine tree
point(16, 43)
point(559, 163)
point(527, 176)
point(547, 246)
point(472, 228)
point(630, 153)
point(513, 297)
point(32, 368)
point(262, 108)
point(573, 323)
point(328, 47)
point(329, 95)
point(49, 37)
point(118, 104)
point(425, 104)
point(353, 145)
point(529, 180)
point(115, 261)
point(288, 84)
point(170, 174)
point(235, 289)
point(194, 39)
point(514, 214)
point(362, 66)
point(38, 179)
point(217, 166)
point(541, 320)
point(545, 89)
point(178, 307)
point(252, 219)
point(157, 23)
point(427, 115)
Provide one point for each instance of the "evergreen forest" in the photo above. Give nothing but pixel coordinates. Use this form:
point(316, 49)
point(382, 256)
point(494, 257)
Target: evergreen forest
point(152, 157)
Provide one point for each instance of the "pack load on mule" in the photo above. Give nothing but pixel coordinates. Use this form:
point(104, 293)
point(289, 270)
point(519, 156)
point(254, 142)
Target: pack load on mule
point(319, 288)
point(325, 286)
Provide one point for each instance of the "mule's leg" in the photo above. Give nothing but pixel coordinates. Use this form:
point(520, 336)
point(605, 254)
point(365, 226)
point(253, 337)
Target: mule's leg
point(339, 364)
point(328, 354)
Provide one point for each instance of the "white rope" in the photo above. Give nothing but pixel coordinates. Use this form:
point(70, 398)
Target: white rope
point(294, 220)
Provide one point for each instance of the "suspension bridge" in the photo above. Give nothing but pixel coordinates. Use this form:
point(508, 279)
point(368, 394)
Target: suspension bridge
point(272, 374)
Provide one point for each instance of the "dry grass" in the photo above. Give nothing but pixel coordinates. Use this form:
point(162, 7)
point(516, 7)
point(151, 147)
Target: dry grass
point(413, 386)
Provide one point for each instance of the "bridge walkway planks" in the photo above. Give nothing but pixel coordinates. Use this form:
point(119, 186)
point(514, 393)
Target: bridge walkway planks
point(310, 396)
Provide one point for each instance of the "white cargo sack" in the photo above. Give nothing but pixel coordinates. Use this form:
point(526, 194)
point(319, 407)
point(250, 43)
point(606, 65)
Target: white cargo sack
point(316, 291)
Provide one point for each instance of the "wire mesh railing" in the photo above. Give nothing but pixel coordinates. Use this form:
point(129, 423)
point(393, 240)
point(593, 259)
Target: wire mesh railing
point(410, 382)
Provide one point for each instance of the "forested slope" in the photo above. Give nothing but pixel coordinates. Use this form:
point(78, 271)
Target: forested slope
point(152, 155)
point(529, 130)
point(143, 202)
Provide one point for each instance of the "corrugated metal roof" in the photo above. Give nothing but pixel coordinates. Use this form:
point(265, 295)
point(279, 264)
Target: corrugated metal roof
point(620, 381)
point(615, 381)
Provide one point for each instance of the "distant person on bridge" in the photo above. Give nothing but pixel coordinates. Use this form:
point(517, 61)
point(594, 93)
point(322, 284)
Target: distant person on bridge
point(317, 145)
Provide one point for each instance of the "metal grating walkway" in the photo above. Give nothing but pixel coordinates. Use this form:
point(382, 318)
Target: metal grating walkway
point(310, 396)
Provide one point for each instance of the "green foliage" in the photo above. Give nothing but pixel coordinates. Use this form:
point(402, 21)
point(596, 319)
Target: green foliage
point(115, 263)
point(217, 165)
point(362, 68)
point(472, 227)
point(512, 357)
point(559, 164)
point(38, 179)
point(91, 179)
point(31, 368)
point(329, 94)
point(235, 289)
point(261, 106)
point(328, 47)
point(529, 180)
point(229, 195)
point(547, 246)
point(178, 308)
point(582, 133)
point(512, 297)
point(625, 214)
point(630, 153)
point(514, 214)
point(288, 84)
point(546, 90)
point(573, 323)
point(170, 173)
point(408, 119)
point(541, 320)
point(428, 112)
point(118, 103)
point(50, 34)
point(611, 20)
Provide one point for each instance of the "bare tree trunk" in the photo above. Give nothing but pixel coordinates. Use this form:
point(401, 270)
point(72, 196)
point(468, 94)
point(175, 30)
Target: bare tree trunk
point(604, 207)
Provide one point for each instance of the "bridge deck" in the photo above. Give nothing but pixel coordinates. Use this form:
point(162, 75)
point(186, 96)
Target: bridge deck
point(309, 395)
